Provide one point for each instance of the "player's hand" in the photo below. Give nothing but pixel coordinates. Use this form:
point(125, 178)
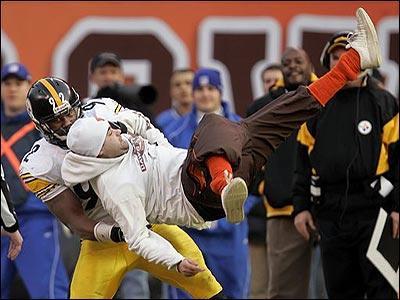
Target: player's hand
point(302, 221)
point(16, 241)
point(189, 267)
point(395, 224)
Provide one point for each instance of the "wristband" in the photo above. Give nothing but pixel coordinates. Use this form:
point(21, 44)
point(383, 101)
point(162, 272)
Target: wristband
point(102, 231)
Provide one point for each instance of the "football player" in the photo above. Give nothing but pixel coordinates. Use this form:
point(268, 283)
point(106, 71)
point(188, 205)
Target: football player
point(104, 257)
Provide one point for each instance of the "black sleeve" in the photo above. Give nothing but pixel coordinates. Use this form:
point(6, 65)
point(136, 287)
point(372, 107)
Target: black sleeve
point(8, 217)
point(302, 181)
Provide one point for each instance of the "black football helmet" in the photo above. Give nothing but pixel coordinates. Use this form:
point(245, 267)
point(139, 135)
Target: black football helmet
point(48, 99)
point(339, 39)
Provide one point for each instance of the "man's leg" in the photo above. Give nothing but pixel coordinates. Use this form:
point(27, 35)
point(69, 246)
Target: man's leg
point(289, 258)
point(341, 268)
point(100, 269)
point(272, 124)
point(259, 271)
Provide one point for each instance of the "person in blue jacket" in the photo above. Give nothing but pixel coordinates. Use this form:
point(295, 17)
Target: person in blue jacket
point(180, 90)
point(224, 245)
point(40, 264)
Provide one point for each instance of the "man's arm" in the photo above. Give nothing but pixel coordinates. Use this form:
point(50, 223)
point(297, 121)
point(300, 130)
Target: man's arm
point(68, 209)
point(138, 124)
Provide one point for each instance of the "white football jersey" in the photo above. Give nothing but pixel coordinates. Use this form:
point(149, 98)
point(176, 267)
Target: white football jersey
point(41, 167)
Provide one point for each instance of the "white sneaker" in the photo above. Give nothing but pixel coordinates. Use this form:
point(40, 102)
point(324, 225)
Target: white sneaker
point(233, 197)
point(365, 41)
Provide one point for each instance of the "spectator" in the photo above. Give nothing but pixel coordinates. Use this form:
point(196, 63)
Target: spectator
point(107, 74)
point(346, 169)
point(289, 256)
point(39, 264)
point(181, 95)
point(270, 76)
point(224, 246)
point(257, 215)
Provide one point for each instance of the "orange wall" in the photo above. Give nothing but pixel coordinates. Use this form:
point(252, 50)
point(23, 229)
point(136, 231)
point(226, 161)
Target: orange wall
point(36, 27)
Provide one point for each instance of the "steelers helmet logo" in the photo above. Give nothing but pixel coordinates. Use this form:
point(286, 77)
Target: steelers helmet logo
point(364, 127)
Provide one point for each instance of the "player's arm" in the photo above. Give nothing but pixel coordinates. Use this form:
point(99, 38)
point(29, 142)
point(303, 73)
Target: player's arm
point(68, 209)
point(134, 121)
point(139, 124)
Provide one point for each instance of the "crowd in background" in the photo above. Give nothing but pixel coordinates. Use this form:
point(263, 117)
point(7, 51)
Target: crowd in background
point(309, 217)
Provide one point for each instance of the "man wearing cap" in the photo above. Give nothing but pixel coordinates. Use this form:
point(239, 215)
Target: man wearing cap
point(224, 245)
point(106, 70)
point(347, 167)
point(107, 73)
point(39, 264)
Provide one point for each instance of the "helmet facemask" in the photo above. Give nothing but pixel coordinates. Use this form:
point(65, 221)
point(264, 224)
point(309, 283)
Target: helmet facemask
point(58, 136)
point(52, 103)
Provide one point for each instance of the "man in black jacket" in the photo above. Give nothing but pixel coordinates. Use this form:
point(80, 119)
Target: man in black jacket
point(288, 254)
point(347, 168)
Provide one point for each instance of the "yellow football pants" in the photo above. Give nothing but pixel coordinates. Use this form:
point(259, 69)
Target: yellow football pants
point(101, 266)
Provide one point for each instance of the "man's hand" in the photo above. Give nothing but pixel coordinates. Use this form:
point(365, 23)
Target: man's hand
point(302, 221)
point(395, 224)
point(135, 122)
point(189, 267)
point(16, 241)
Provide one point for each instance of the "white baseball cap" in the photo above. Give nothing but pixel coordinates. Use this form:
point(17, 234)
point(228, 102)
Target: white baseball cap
point(87, 135)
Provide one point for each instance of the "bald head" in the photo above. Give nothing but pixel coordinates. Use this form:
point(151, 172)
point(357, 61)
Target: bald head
point(297, 67)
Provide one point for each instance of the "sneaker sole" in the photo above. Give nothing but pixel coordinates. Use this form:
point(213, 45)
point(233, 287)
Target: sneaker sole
point(372, 37)
point(233, 200)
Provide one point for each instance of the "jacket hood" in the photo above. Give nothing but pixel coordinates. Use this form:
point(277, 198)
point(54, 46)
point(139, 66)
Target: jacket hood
point(77, 168)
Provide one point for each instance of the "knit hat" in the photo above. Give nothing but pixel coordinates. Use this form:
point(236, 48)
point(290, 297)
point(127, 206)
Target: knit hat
point(207, 76)
point(87, 135)
point(15, 69)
